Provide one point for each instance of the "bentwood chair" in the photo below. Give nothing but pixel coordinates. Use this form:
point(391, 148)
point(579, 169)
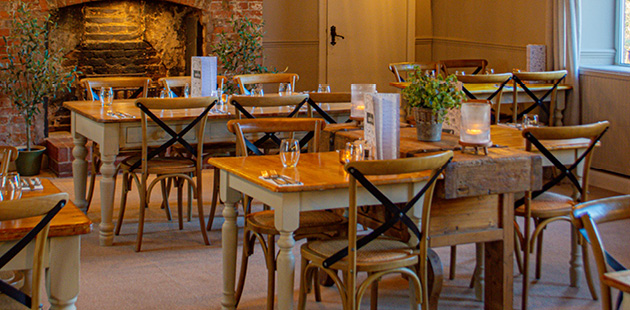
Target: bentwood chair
point(124, 88)
point(153, 161)
point(372, 253)
point(524, 80)
point(47, 207)
point(174, 84)
point(313, 224)
point(545, 207)
point(7, 155)
point(586, 217)
point(244, 80)
point(401, 69)
point(470, 66)
point(316, 99)
point(500, 80)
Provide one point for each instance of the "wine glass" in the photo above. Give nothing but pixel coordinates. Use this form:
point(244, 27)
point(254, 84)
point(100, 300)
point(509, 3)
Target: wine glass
point(289, 152)
point(323, 88)
point(10, 186)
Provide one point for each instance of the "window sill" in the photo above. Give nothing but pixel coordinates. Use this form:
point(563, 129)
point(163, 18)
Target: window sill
point(606, 71)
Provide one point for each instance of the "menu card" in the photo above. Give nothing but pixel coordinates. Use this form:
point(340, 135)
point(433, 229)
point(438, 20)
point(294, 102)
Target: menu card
point(382, 125)
point(204, 76)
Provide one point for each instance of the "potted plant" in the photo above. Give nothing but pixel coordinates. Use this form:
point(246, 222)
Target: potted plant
point(31, 73)
point(430, 98)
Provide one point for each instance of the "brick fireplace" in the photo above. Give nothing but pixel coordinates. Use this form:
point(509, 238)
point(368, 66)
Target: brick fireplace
point(123, 37)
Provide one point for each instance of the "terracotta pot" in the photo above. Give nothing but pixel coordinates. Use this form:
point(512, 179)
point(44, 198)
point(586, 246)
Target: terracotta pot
point(427, 126)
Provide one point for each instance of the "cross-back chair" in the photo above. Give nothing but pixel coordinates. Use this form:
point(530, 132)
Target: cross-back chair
point(544, 206)
point(174, 84)
point(47, 207)
point(153, 161)
point(7, 155)
point(244, 80)
point(372, 253)
point(523, 80)
point(314, 99)
point(500, 80)
point(471, 66)
point(124, 88)
point(313, 224)
point(586, 217)
point(401, 70)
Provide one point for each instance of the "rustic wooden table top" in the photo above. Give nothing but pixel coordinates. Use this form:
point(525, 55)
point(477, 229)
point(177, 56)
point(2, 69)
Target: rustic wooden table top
point(69, 221)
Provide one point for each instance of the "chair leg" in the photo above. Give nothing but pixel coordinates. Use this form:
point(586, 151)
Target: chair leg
point(190, 199)
point(374, 295)
point(126, 184)
point(587, 269)
point(270, 258)
point(477, 280)
point(303, 285)
point(318, 291)
point(539, 242)
point(202, 223)
point(451, 274)
point(165, 190)
point(96, 165)
point(248, 249)
point(143, 205)
point(215, 198)
point(179, 183)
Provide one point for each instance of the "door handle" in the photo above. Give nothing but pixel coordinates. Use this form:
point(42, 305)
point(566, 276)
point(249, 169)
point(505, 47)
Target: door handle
point(333, 35)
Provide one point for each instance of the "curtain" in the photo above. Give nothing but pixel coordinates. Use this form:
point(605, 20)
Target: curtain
point(566, 21)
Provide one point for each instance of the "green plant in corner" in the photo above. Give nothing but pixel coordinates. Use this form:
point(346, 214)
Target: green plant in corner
point(240, 52)
point(436, 93)
point(31, 72)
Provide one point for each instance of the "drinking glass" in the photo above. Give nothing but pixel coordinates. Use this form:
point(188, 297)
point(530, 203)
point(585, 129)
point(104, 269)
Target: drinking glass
point(107, 96)
point(10, 186)
point(354, 151)
point(289, 152)
point(163, 94)
point(323, 88)
point(186, 90)
point(284, 89)
point(530, 120)
point(257, 90)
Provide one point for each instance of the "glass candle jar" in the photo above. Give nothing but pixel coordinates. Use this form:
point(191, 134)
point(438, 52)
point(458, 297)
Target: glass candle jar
point(358, 101)
point(475, 125)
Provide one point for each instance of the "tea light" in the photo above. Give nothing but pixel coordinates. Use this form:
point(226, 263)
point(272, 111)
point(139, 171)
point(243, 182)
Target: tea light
point(475, 130)
point(358, 102)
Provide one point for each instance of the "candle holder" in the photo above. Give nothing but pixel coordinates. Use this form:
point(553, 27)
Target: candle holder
point(358, 99)
point(475, 126)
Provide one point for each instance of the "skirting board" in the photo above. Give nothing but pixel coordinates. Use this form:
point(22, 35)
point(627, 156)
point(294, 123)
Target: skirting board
point(609, 181)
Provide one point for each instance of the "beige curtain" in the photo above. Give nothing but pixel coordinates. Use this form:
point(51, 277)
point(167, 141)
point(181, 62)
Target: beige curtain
point(566, 15)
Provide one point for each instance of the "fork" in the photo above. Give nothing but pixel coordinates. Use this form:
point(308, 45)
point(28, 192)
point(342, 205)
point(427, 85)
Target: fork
point(285, 178)
point(267, 174)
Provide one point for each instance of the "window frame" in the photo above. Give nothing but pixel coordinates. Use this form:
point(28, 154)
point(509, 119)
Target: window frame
point(619, 34)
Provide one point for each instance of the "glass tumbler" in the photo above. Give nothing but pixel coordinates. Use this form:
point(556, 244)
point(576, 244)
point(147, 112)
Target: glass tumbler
point(107, 96)
point(289, 152)
point(530, 120)
point(284, 89)
point(323, 88)
point(10, 186)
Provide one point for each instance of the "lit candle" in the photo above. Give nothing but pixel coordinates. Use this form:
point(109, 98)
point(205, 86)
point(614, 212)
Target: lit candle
point(474, 132)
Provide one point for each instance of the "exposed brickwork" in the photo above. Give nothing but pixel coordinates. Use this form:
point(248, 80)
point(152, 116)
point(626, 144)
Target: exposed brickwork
point(215, 15)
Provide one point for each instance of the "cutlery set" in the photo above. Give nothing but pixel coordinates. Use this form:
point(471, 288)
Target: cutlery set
point(120, 115)
point(279, 179)
point(33, 184)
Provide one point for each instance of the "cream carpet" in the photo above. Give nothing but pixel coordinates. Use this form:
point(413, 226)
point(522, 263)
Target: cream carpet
point(176, 271)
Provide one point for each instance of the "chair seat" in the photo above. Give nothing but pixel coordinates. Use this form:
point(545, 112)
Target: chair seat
point(548, 205)
point(381, 253)
point(162, 165)
point(311, 222)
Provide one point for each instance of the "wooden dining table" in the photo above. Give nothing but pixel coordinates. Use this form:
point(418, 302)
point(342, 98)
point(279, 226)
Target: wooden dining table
point(62, 257)
point(621, 281)
point(474, 204)
point(118, 128)
point(482, 91)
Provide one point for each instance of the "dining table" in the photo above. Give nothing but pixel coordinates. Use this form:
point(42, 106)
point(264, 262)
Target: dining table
point(117, 128)
point(62, 256)
point(621, 281)
point(473, 204)
point(482, 91)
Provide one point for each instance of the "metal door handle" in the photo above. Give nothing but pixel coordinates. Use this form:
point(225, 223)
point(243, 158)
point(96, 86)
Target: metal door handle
point(333, 35)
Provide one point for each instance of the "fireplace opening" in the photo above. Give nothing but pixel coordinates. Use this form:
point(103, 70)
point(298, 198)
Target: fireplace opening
point(124, 38)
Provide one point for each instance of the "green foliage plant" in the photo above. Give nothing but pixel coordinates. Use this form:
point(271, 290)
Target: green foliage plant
point(31, 72)
point(432, 92)
point(241, 51)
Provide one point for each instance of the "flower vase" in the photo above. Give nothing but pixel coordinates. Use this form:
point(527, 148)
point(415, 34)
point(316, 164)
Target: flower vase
point(428, 127)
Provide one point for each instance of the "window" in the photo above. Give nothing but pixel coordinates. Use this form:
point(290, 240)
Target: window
point(623, 37)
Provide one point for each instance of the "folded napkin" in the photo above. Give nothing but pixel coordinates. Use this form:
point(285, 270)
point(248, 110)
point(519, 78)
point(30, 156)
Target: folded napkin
point(297, 183)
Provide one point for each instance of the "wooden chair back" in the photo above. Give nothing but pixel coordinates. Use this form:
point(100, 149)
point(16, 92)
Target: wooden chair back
point(247, 127)
point(124, 87)
point(314, 99)
point(7, 155)
point(535, 136)
point(243, 103)
point(500, 80)
point(358, 173)
point(401, 69)
point(587, 216)
point(244, 80)
point(470, 66)
point(46, 206)
point(170, 82)
point(176, 106)
point(522, 79)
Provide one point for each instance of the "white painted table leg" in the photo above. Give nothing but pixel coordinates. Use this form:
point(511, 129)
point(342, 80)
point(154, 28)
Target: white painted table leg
point(286, 268)
point(576, 260)
point(561, 105)
point(108, 188)
point(79, 171)
point(229, 235)
point(62, 277)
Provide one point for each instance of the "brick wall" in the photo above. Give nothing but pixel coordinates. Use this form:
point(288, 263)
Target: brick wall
point(215, 15)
